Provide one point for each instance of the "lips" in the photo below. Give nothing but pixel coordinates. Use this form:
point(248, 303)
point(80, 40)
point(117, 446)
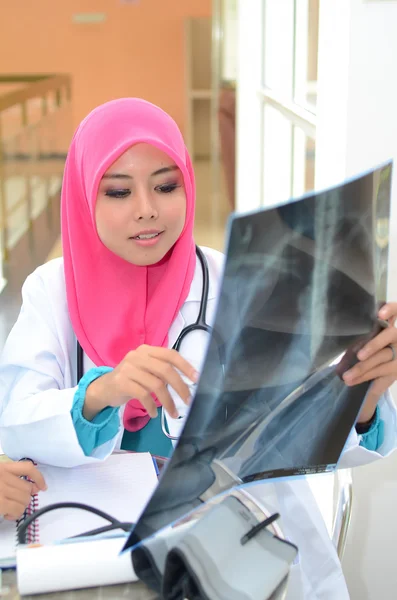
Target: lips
point(147, 238)
point(146, 235)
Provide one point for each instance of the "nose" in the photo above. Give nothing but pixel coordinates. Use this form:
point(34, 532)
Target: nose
point(144, 208)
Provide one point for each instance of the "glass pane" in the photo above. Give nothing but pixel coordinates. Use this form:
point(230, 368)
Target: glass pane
point(306, 53)
point(229, 38)
point(277, 155)
point(278, 41)
point(303, 162)
point(312, 57)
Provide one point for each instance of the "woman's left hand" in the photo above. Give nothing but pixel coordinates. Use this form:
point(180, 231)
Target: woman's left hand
point(377, 363)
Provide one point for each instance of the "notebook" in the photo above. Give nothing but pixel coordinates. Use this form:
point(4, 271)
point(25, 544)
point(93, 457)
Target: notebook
point(121, 486)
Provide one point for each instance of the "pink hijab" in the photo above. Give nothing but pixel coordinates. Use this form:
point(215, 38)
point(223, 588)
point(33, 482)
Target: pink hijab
point(109, 305)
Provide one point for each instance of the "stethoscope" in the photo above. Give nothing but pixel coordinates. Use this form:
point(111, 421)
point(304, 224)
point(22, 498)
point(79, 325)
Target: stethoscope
point(199, 325)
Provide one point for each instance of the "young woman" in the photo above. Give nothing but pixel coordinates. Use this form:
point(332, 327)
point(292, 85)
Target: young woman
point(128, 282)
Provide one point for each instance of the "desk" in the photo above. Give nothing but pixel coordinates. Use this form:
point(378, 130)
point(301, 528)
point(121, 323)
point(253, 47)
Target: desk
point(136, 591)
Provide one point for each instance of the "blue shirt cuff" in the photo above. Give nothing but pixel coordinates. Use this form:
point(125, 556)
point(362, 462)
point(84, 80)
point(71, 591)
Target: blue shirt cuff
point(375, 436)
point(104, 426)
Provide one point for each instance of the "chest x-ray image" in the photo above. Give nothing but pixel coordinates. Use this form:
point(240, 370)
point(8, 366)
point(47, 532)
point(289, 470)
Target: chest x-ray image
point(302, 286)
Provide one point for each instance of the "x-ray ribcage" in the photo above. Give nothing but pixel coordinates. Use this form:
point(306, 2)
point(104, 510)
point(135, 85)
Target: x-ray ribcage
point(302, 286)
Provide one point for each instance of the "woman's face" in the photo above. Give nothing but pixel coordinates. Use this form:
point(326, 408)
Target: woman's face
point(141, 205)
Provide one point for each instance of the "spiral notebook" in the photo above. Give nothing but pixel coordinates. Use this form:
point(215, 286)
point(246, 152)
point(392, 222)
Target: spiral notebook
point(121, 486)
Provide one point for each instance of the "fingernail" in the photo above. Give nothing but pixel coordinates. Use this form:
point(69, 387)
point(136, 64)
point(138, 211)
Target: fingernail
point(348, 375)
point(188, 401)
point(363, 354)
point(195, 376)
point(383, 312)
point(154, 414)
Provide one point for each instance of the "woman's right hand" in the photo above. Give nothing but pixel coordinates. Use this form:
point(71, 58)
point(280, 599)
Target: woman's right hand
point(145, 371)
point(15, 493)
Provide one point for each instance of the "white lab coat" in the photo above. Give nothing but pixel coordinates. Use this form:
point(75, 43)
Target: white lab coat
point(38, 383)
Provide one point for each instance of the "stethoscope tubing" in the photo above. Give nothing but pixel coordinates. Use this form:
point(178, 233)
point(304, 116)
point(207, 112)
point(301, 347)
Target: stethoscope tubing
point(199, 325)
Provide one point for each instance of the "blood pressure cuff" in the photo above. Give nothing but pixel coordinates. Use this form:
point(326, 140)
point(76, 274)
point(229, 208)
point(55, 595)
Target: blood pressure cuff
point(212, 559)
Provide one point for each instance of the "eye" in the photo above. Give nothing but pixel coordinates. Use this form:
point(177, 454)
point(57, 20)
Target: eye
point(167, 188)
point(118, 193)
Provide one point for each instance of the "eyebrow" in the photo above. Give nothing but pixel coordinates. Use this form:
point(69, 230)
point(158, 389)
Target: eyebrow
point(165, 170)
point(116, 176)
point(125, 176)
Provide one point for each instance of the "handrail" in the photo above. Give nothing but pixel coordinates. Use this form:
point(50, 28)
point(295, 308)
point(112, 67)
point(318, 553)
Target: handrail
point(24, 77)
point(38, 86)
point(34, 90)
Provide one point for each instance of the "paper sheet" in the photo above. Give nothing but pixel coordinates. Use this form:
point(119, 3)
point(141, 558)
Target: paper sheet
point(8, 538)
point(120, 486)
point(73, 566)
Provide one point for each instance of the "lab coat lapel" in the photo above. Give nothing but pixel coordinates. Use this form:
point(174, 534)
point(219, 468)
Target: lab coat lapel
point(194, 295)
point(175, 329)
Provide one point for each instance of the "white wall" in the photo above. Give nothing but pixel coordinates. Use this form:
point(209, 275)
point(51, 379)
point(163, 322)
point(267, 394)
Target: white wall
point(357, 95)
point(357, 129)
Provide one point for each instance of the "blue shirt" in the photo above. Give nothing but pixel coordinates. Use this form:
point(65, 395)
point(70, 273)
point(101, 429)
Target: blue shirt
point(105, 425)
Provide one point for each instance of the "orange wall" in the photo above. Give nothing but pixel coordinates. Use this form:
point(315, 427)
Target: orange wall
point(138, 51)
